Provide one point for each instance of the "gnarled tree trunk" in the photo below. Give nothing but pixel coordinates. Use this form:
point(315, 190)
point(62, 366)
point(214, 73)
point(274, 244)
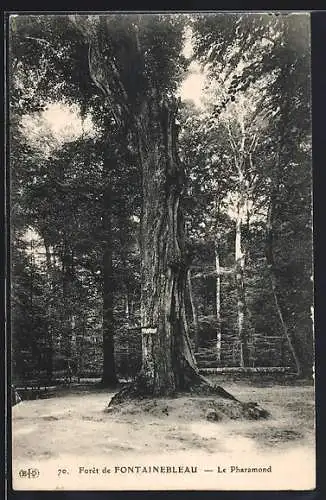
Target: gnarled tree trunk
point(168, 363)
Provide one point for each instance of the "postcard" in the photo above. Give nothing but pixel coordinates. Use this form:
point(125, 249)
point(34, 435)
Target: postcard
point(161, 251)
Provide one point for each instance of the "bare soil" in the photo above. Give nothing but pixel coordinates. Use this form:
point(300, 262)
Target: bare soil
point(79, 424)
point(74, 431)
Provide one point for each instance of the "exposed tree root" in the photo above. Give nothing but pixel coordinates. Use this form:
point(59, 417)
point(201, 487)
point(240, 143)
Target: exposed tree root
point(225, 404)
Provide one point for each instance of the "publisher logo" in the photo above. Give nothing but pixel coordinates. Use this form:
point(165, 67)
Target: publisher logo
point(29, 473)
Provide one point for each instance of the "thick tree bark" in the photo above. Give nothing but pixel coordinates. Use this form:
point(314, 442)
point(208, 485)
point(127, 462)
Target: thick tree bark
point(168, 362)
point(109, 377)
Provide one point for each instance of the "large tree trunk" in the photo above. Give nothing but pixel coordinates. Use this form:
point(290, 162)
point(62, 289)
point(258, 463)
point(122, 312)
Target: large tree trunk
point(109, 377)
point(168, 363)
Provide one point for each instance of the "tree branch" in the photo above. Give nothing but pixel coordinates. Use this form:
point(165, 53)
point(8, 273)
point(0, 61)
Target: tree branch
point(213, 274)
point(43, 42)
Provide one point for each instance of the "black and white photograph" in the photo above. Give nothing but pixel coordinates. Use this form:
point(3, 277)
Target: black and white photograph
point(161, 251)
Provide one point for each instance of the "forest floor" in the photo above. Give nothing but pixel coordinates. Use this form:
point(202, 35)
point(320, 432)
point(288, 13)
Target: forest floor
point(74, 428)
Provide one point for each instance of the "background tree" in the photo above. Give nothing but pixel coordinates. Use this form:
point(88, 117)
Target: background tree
point(250, 67)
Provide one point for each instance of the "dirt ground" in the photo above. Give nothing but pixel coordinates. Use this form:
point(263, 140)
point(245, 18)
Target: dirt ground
point(75, 426)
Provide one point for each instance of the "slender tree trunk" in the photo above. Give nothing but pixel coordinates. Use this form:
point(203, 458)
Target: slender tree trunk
point(271, 267)
point(239, 277)
point(132, 304)
point(67, 276)
point(49, 366)
point(109, 377)
point(248, 236)
point(193, 309)
point(218, 303)
point(127, 307)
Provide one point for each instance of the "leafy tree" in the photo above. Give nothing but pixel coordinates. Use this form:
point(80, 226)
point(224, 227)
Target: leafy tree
point(291, 191)
point(61, 191)
point(274, 59)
